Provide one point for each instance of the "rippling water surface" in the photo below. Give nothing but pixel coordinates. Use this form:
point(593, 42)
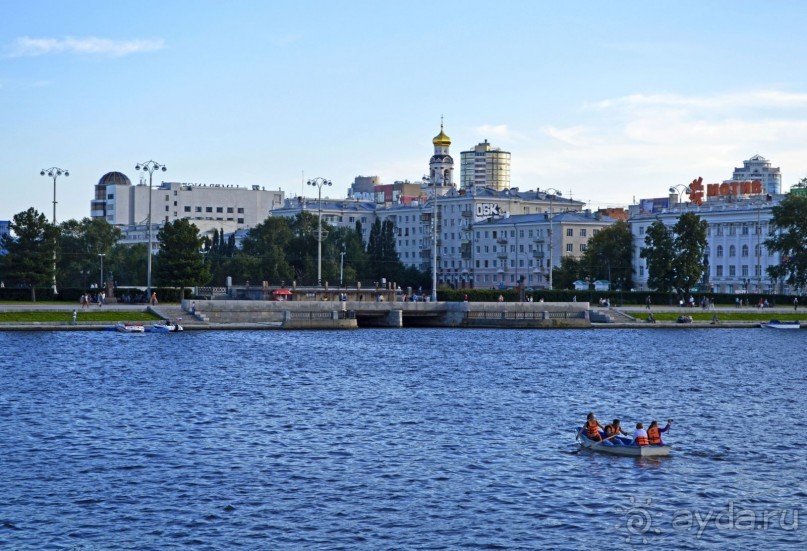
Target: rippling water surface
point(398, 439)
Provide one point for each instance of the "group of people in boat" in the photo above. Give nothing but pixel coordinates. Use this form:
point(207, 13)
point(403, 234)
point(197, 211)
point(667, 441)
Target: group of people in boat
point(613, 434)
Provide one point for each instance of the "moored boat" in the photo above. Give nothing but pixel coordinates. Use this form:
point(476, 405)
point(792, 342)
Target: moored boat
point(627, 450)
point(167, 327)
point(122, 327)
point(776, 324)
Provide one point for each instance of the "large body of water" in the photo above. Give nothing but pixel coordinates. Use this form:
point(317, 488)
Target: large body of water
point(399, 439)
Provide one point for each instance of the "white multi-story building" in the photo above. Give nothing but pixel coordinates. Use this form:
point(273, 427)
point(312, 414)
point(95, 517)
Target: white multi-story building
point(485, 166)
point(759, 168)
point(736, 259)
point(210, 207)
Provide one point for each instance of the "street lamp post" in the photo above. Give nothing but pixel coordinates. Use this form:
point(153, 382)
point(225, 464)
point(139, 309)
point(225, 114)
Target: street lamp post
point(680, 189)
point(552, 193)
point(320, 236)
point(54, 172)
point(150, 167)
point(341, 266)
point(102, 255)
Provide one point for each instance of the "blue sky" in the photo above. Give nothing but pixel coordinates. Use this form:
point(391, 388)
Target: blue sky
point(613, 101)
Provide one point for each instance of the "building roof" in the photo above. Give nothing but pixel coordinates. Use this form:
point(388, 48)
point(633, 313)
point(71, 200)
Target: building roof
point(114, 179)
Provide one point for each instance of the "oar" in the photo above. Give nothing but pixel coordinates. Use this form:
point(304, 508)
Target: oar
point(583, 445)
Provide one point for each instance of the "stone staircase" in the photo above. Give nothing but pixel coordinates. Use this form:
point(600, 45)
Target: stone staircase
point(174, 311)
point(610, 315)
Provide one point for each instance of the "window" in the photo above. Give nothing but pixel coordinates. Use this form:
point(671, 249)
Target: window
point(745, 229)
point(229, 210)
point(719, 251)
point(641, 230)
point(745, 270)
point(582, 247)
point(208, 209)
point(719, 271)
point(240, 220)
point(110, 196)
point(569, 248)
point(240, 210)
point(219, 209)
point(732, 251)
point(732, 270)
point(187, 209)
point(569, 232)
point(745, 250)
point(198, 209)
point(582, 232)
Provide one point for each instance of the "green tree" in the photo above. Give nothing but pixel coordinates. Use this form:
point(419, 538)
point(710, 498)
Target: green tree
point(129, 263)
point(659, 251)
point(180, 262)
point(80, 243)
point(267, 244)
point(789, 224)
point(611, 247)
point(302, 253)
point(690, 244)
point(30, 250)
point(570, 270)
point(675, 255)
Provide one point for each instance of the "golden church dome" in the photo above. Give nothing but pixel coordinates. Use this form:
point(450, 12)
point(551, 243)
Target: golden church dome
point(441, 139)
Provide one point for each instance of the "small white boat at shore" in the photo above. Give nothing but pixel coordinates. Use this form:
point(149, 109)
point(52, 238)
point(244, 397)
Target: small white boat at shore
point(626, 450)
point(776, 324)
point(129, 327)
point(167, 327)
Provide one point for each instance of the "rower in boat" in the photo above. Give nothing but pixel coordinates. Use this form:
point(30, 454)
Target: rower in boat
point(592, 428)
point(654, 433)
point(614, 432)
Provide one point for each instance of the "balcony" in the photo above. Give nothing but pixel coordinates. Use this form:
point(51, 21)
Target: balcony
point(467, 214)
point(502, 241)
point(425, 253)
point(538, 254)
point(501, 255)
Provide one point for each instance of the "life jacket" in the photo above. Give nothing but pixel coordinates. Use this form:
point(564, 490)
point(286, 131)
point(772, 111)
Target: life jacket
point(654, 436)
point(641, 441)
point(610, 430)
point(592, 430)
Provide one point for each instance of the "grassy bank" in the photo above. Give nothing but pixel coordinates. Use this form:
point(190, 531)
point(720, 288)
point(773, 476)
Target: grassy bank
point(739, 316)
point(85, 315)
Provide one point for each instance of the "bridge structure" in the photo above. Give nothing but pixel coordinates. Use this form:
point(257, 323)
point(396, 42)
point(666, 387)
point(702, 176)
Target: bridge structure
point(347, 314)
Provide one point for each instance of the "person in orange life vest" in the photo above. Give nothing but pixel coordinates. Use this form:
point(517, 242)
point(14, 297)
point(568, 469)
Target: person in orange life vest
point(614, 429)
point(640, 436)
point(591, 427)
point(654, 433)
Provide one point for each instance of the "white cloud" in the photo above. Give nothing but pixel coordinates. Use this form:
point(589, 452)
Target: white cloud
point(499, 131)
point(638, 145)
point(26, 46)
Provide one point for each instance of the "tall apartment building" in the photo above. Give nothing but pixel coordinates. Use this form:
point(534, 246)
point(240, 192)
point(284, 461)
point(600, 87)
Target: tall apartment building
point(759, 168)
point(485, 166)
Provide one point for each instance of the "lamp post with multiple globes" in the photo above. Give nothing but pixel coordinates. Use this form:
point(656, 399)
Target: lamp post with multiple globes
point(150, 167)
point(320, 235)
point(54, 172)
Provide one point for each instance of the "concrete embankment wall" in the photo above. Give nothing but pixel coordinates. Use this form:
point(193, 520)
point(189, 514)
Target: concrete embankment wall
point(397, 314)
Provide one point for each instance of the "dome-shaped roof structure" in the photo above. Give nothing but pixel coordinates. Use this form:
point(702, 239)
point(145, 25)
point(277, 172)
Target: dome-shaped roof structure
point(114, 179)
point(441, 139)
